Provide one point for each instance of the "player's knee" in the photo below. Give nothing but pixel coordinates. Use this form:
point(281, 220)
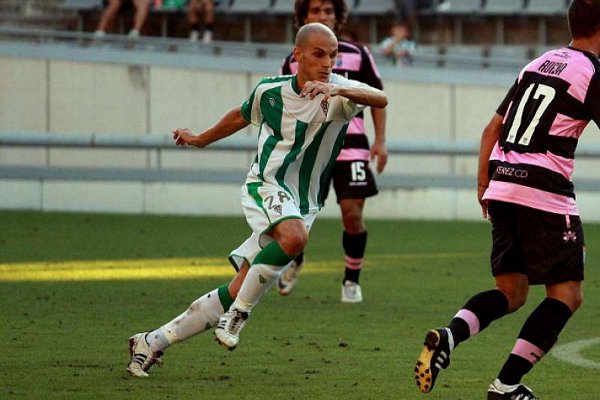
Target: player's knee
point(516, 297)
point(353, 221)
point(294, 243)
point(576, 301)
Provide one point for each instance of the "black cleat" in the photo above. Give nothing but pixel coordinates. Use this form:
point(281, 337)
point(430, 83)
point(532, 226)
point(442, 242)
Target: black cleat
point(434, 357)
point(517, 392)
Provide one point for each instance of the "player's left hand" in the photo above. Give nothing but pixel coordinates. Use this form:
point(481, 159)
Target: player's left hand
point(313, 88)
point(379, 151)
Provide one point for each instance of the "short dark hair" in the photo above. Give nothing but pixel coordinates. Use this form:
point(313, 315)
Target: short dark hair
point(584, 18)
point(339, 6)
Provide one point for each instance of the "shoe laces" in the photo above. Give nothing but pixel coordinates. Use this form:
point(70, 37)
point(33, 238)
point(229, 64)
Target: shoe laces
point(237, 321)
point(350, 287)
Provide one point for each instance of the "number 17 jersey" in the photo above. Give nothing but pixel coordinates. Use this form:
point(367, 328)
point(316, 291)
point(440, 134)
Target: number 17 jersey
point(545, 112)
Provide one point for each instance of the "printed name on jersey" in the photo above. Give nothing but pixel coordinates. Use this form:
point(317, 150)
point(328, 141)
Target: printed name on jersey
point(552, 67)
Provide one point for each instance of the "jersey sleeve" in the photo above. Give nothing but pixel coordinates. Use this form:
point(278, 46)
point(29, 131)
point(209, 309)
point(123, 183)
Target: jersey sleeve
point(591, 99)
point(250, 109)
point(503, 107)
point(369, 72)
point(350, 108)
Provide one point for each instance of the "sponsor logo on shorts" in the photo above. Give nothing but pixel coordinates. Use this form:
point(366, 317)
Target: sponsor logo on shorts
point(569, 236)
point(277, 209)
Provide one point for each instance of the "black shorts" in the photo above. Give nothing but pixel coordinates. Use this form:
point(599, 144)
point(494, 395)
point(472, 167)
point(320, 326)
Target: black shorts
point(548, 248)
point(125, 5)
point(352, 180)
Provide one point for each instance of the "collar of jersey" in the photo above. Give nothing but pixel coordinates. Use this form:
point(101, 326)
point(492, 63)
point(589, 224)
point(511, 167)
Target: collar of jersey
point(582, 51)
point(295, 84)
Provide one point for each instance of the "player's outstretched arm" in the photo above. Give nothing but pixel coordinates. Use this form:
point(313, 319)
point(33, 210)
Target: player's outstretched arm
point(229, 124)
point(363, 94)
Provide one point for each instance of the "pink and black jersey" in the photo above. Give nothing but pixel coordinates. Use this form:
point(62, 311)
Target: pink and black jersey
point(355, 62)
point(545, 113)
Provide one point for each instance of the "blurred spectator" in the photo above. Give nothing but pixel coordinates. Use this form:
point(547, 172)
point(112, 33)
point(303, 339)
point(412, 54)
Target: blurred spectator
point(398, 47)
point(406, 10)
point(111, 10)
point(444, 5)
point(206, 9)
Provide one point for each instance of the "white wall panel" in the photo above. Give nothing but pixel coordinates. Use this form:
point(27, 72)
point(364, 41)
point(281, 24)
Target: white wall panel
point(208, 199)
point(20, 194)
point(418, 111)
point(98, 97)
point(23, 94)
point(127, 197)
point(23, 156)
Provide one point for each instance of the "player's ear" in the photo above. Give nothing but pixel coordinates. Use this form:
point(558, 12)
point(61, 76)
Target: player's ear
point(297, 53)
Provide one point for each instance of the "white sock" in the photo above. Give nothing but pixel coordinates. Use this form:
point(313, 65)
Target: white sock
point(201, 315)
point(258, 281)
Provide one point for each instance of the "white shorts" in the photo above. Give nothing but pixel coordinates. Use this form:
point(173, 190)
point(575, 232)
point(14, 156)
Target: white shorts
point(265, 206)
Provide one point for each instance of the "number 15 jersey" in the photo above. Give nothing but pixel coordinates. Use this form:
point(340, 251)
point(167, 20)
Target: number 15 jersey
point(545, 112)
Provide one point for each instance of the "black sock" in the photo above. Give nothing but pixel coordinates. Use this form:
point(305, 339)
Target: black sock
point(299, 258)
point(208, 27)
point(195, 26)
point(540, 331)
point(354, 247)
point(486, 306)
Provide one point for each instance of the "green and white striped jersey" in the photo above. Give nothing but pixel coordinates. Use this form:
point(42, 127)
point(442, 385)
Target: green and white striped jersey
point(299, 139)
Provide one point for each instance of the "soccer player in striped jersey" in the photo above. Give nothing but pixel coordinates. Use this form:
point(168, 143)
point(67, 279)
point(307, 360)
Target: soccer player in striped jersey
point(303, 120)
point(352, 178)
point(524, 187)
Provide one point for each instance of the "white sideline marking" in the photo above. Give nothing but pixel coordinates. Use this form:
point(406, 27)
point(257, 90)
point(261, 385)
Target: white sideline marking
point(569, 352)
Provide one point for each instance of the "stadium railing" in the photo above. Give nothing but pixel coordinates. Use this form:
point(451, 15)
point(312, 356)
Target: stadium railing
point(429, 56)
point(161, 143)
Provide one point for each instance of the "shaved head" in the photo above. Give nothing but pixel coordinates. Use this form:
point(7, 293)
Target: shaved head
point(309, 30)
point(316, 52)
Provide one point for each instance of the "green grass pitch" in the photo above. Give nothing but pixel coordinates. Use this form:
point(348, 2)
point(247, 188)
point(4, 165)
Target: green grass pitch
point(74, 287)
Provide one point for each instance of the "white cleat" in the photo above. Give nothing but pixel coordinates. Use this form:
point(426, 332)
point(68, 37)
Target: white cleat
point(228, 329)
point(500, 391)
point(288, 279)
point(142, 358)
point(194, 35)
point(207, 37)
point(351, 292)
point(99, 35)
point(133, 34)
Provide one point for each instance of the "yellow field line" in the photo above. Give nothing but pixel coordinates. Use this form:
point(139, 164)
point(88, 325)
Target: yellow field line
point(172, 268)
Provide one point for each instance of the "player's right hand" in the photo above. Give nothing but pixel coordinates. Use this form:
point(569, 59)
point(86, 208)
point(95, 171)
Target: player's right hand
point(483, 203)
point(182, 136)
